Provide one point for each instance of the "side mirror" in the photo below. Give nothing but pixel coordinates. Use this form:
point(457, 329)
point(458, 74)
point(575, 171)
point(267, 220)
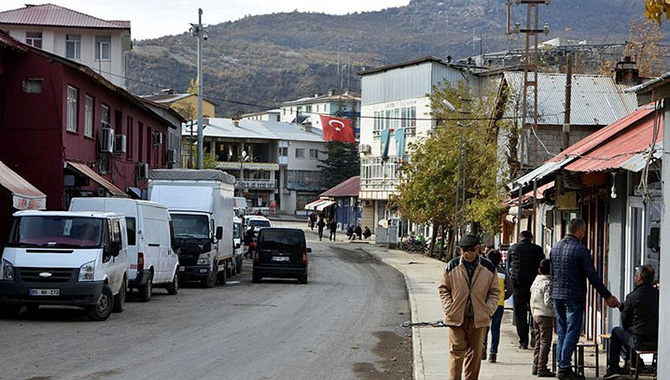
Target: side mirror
point(219, 232)
point(115, 248)
point(309, 250)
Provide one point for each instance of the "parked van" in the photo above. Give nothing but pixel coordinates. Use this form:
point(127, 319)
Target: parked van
point(65, 258)
point(238, 232)
point(153, 261)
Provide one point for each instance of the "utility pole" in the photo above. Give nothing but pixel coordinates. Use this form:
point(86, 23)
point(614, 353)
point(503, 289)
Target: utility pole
point(568, 100)
point(198, 31)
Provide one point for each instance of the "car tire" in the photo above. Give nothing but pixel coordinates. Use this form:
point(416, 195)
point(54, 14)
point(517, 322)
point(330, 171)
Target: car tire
point(103, 307)
point(256, 277)
point(120, 298)
point(302, 279)
point(211, 279)
point(146, 290)
point(173, 287)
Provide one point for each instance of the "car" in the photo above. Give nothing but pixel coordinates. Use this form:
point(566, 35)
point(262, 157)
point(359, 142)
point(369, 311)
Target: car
point(282, 253)
point(257, 221)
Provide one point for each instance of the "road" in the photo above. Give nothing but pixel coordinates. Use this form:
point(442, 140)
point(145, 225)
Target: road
point(344, 324)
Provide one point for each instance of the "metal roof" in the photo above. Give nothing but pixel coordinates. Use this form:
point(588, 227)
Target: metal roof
point(256, 129)
point(348, 188)
point(54, 15)
point(24, 194)
point(596, 99)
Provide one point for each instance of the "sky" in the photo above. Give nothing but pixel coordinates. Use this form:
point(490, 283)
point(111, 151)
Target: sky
point(153, 18)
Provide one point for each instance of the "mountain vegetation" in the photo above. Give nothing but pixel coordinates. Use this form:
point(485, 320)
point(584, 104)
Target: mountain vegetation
point(257, 62)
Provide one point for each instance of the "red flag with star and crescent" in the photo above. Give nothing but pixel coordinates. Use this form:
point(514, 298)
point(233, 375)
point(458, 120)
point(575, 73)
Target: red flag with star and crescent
point(336, 129)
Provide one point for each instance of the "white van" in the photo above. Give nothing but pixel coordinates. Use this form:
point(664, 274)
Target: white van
point(153, 262)
point(238, 239)
point(65, 258)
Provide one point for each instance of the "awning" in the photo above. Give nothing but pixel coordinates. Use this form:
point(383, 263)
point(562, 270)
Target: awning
point(25, 196)
point(97, 178)
point(323, 205)
point(312, 205)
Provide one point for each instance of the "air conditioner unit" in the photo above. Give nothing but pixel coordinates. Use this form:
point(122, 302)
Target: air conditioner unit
point(171, 156)
point(120, 144)
point(106, 140)
point(158, 138)
point(364, 148)
point(143, 171)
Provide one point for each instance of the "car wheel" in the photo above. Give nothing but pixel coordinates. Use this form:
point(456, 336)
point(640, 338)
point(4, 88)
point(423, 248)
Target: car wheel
point(211, 279)
point(146, 290)
point(120, 298)
point(256, 277)
point(173, 287)
point(302, 279)
point(103, 307)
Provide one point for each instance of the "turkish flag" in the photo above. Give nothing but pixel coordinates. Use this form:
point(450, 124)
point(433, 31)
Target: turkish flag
point(336, 129)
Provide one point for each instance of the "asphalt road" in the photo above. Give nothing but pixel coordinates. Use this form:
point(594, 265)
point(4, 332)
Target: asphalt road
point(343, 324)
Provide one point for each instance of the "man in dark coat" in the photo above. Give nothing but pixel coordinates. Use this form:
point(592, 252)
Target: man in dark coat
point(523, 259)
point(332, 226)
point(639, 321)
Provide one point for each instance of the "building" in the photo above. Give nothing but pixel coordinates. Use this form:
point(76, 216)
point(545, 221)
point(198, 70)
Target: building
point(395, 109)
point(346, 105)
point(99, 44)
point(89, 138)
point(271, 161)
point(269, 115)
point(186, 104)
point(344, 198)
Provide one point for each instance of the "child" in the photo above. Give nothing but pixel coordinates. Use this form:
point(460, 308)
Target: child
point(543, 316)
point(496, 319)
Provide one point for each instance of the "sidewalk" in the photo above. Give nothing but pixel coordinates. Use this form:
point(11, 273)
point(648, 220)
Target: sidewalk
point(431, 353)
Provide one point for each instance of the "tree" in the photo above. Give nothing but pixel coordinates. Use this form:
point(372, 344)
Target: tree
point(655, 9)
point(342, 163)
point(643, 42)
point(431, 186)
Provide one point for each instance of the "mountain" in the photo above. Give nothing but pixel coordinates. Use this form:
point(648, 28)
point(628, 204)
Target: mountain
point(257, 62)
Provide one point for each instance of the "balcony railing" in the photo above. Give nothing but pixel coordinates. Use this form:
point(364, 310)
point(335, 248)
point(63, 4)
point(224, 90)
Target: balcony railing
point(261, 184)
point(233, 165)
point(387, 184)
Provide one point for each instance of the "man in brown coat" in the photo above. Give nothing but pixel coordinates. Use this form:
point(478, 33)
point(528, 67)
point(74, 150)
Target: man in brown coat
point(469, 291)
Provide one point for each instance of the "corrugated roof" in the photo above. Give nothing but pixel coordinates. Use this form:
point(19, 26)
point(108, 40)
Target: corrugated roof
point(596, 99)
point(256, 129)
point(54, 15)
point(348, 188)
point(25, 195)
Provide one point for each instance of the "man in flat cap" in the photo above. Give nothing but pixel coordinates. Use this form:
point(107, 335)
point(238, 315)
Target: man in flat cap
point(469, 291)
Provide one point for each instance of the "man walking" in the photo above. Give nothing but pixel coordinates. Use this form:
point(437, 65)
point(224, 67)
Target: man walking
point(571, 265)
point(332, 226)
point(469, 291)
point(524, 258)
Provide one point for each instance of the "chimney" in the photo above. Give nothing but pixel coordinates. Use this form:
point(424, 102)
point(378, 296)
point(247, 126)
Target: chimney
point(316, 94)
point(307, 126)
point(330, 92)
point(236, 122)
point(626, 72)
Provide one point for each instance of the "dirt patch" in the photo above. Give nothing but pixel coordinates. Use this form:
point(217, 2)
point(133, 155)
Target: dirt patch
point(396, 353)
point(358, 256)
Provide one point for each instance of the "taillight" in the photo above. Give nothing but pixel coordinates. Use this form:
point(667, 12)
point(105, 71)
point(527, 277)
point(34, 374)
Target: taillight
point(304, 257)
point(140, 261)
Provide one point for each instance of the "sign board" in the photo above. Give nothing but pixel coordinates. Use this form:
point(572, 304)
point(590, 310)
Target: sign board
point(567, 201)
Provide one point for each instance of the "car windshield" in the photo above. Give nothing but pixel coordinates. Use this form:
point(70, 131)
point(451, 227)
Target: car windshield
point(281, 240)
point(56, 232)
point(259, 223)
point(194, 226)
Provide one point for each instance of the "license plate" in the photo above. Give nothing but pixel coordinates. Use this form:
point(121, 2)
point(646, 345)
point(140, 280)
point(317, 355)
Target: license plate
point(281, 258)
point(44, 292)
point(181, 269)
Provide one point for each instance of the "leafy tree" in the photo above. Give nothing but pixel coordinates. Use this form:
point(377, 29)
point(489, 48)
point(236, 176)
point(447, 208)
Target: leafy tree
point(655, 9)
point(642, 44)
point(430, 187)
point(342, 163)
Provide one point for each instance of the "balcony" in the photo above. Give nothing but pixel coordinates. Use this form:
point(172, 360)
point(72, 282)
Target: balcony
point(256, 184)
point(234, 165)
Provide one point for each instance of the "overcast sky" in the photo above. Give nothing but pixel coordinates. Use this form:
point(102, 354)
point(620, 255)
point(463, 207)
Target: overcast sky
point(156, 18)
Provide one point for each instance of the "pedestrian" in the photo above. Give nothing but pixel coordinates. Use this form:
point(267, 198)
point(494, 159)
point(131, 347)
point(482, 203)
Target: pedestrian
point(249, 238)
point(542, 309)
point(523, 259)
point(359, 232)
point(469, 291)
point(320, 225)
point(505, 293)
point(366, 232)
point(332, 226)
point(312, 220)
point(350, 233)
point(639, 321)
point(571, 266)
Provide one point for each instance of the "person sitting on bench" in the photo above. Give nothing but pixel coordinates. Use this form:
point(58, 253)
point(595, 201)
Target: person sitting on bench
point(639, 319)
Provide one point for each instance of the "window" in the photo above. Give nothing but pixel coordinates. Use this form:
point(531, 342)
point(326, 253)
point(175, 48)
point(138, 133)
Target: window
point(72, 95)
point(73, 46)
point(103, 47)
point(300, 153)
point(34, 39)
point(104, 116)
point(130, 227)
point(314, 154)
point(283, 151)
point(88, 117)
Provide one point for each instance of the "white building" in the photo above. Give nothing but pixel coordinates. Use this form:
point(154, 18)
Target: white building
point(346, 105)
point(269, 115)
point(96, 43)
point(271, 161)
point(395, 98)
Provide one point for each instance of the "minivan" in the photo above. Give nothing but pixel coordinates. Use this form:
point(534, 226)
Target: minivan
point(65, 258)
point(280, 252)
point(153, 261)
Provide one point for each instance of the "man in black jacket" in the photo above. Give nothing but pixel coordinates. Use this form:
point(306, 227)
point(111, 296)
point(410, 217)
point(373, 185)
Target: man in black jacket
point(523, 259)
point(639, 319)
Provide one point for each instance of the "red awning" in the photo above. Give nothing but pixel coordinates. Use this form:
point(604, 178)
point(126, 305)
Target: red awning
point(97, 178)
point(25, 196)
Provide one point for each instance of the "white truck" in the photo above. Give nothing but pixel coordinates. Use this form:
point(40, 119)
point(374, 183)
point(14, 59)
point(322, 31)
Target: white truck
point(200, 203)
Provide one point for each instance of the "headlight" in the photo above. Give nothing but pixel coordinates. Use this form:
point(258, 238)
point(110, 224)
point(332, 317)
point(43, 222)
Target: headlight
point(7, 271)
point(204, 261)
point(87, 271)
